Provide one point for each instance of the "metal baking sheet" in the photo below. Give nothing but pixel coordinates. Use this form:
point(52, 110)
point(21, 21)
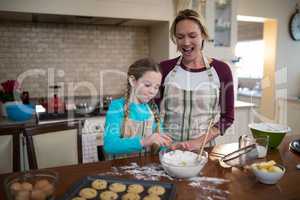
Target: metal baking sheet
point(74, 190)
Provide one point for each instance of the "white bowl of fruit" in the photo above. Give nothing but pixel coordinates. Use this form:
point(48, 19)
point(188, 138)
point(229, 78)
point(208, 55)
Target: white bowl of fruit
point(268, 172)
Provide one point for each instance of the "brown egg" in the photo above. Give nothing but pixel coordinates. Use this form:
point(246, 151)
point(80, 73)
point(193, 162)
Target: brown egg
point(15, 187)
point(37, 194)
point(48, 189)
point(27, 186)
point(41, 183)
point(22, 195)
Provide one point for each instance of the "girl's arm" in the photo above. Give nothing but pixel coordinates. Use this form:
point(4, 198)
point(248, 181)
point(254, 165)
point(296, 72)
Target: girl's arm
point(113, 143)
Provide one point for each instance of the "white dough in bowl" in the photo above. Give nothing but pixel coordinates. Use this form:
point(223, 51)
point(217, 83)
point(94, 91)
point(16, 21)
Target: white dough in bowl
point(180, 158)
point(270, 127)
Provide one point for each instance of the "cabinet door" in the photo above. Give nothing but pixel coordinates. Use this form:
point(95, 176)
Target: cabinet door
point(240, 126)
point(222, 28)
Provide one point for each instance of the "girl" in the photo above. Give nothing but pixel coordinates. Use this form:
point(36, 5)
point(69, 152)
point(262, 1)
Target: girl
point(133, 122)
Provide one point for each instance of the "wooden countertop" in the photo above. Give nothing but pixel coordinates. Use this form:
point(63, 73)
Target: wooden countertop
point(242, 184)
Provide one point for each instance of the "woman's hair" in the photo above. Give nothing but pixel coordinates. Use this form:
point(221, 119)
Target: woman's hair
point(191, 15)
point(137, 70)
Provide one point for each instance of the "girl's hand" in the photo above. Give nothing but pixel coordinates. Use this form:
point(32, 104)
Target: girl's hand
point(185, 146)
point(156, 138)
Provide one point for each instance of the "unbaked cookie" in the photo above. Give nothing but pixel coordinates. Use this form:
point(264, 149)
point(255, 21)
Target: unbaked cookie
point(78, 198)
point(99, 184)
point(151, 197)
point(131, 196)
point(108, 195)
point(135, 188)
point(156, 190)
point(88, 193)
point(117, 187)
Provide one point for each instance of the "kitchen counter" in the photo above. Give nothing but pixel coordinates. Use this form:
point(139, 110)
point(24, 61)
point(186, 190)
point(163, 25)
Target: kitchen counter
point(243, 104)
point(68, 116)
point(4, 122)
point(45, 118)
point(239, 183)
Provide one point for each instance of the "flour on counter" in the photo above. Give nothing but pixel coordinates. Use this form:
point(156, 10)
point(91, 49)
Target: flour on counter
point(148, 172)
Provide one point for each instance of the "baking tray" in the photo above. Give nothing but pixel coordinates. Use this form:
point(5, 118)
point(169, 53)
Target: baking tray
point(73, 191)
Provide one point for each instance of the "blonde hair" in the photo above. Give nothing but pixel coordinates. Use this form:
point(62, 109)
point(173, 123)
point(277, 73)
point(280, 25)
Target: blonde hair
point(190, 15)
point(137, 70)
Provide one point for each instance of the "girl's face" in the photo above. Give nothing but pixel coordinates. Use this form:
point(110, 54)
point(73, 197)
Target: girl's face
point(146, 87)
point(188, 39)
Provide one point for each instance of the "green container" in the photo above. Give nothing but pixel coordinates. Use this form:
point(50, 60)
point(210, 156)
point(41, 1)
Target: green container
point(275, 138)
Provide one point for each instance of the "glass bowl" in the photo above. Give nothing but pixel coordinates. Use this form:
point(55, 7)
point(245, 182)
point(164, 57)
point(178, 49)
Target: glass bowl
point(182, 164)
point(36, 185)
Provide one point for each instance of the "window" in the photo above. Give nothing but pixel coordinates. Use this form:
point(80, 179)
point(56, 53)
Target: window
point(251, 64)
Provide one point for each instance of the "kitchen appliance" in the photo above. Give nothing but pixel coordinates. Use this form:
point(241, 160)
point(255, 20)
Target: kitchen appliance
point(55, 104)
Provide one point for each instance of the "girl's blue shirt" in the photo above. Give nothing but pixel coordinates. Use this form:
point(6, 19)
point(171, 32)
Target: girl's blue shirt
point(113, 143)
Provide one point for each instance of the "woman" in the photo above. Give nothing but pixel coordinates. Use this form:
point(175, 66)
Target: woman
point(196, 89)
point(132, 122)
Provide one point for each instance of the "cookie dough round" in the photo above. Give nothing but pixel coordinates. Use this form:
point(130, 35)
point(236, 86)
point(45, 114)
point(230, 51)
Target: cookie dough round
point(117, 187)
point(131, 196)
point(135, 188)
point(156, 190)
point(151, 197)
point(88, 193)
point(108, 195)
point(78, 198)
point(99, 184)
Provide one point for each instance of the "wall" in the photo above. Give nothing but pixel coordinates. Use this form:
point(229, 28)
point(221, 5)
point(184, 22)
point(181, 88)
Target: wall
point(131, 9)
point(72, 54)
point(287, 53)
point(287, 50)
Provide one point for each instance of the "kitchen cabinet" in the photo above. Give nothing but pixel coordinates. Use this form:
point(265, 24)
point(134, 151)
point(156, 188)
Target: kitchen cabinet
point(220, 16)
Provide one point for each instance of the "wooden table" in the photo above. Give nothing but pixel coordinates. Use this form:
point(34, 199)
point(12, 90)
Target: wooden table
point(242, 184)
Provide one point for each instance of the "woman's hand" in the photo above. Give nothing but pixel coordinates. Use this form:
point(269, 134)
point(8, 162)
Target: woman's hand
point(196, 144)
point(185, 146)
point(156, 138)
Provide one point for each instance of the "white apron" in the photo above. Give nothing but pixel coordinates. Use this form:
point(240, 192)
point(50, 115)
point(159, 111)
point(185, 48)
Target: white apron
point(137, 128)
point(186, 114)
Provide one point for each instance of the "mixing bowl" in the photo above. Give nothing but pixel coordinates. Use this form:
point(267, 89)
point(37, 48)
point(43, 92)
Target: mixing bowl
point(182, 164)
point(276, 132)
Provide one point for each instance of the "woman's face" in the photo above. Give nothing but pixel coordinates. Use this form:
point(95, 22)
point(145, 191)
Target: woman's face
point(146, 87)
point(188, 39)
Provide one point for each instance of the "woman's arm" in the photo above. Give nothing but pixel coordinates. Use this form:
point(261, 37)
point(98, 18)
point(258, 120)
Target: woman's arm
point(226, 99)
point(113, 143)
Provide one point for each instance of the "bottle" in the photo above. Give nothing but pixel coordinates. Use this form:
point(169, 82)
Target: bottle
point(25, 97)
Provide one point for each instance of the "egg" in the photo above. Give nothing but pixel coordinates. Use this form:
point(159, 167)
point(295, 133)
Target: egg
point(15, 187)
point(41, 183)
point(48, 189)
point(27, 186)
point(37, 194)
point(22, 195)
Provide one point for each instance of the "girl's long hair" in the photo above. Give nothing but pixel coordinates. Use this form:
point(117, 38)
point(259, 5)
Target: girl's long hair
point(137, 70)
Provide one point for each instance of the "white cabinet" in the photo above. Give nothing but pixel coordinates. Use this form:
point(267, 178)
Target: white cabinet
point(221, 22)
point(243, 116)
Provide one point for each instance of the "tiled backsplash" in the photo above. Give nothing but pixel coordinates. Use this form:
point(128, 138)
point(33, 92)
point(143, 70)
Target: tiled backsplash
point(80, 58)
